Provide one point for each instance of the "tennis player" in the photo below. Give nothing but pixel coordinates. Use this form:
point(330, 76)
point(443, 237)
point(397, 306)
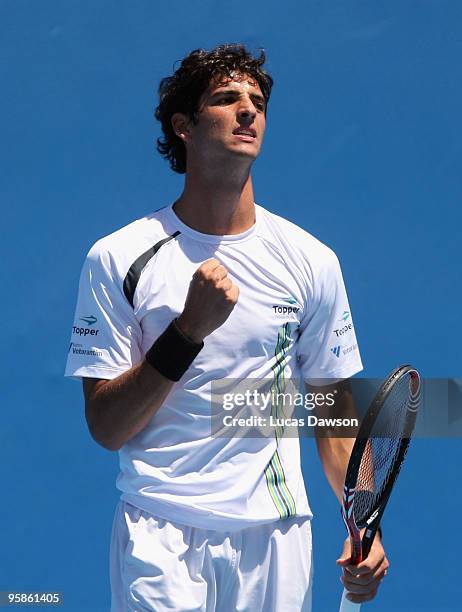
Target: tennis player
point(212, 287)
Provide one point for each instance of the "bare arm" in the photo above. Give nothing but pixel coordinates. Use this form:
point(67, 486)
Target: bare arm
point(334, 451)
point(362, 581)
point(118, 409)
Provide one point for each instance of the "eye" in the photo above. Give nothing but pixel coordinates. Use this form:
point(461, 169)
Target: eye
point(260, 105)
point(226, 100)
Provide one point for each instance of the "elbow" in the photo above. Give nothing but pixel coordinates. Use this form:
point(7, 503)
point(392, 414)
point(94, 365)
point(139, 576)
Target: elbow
point(102, 439)
point(106, 443)
point(99, 432)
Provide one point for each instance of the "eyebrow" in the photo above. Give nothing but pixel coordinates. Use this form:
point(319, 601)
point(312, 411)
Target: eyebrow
point(236, 92)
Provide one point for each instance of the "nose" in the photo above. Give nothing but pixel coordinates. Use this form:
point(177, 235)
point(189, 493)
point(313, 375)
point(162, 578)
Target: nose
point(247, 109)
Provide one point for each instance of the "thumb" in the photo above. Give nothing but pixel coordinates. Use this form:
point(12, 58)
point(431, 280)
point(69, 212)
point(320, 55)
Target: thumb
point(345, 557)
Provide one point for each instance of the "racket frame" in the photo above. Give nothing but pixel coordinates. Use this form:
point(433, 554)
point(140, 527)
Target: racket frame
point(360, 548)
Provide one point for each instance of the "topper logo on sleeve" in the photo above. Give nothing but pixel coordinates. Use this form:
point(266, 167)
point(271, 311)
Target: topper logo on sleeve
point(86, 331)
point(89, 320)
point(340, 331)
point(343, 330)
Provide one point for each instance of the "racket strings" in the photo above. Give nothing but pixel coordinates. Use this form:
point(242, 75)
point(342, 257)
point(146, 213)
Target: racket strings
point(379, 460)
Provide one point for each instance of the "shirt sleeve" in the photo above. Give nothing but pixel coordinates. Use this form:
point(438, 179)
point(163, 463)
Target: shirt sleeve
point(106, 335)
point(327, 345)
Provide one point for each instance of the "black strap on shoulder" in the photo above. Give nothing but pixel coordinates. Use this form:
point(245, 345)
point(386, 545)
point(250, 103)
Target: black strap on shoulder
point(133, 275)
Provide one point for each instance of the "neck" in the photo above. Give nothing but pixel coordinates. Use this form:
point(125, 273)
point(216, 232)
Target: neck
point(217, 204)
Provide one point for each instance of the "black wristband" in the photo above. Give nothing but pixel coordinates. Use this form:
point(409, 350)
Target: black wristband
point(379, 530)
point(173, 352)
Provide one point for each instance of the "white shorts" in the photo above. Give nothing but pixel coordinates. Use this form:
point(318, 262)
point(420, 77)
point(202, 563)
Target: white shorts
point(156, 565)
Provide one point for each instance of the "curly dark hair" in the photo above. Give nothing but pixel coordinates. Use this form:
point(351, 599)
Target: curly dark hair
point(181, 92)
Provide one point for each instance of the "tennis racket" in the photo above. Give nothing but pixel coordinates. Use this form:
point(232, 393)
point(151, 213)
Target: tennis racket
point(378, 453)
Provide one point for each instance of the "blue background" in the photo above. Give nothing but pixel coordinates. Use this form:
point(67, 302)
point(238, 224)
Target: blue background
point(363, 149)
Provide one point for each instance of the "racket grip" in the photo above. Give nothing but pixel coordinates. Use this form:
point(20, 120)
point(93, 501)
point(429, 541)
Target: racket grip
point(348, 606)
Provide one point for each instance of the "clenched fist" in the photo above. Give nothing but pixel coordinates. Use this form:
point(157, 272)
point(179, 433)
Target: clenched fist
point(210, 300)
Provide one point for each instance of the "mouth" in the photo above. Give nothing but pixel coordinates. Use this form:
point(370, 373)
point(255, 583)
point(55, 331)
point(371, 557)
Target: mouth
point(245, 134)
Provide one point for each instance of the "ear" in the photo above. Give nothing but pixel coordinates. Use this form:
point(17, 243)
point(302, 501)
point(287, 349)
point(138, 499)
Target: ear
point(181, 126)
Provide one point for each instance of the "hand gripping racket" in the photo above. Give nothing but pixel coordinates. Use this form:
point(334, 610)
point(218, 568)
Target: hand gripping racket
point(375, 461)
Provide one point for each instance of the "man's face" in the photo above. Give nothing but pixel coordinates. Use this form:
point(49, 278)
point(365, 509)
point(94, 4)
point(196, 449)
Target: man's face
point(231, 121)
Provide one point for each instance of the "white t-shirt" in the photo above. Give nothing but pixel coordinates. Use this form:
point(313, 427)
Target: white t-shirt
point(292, 318)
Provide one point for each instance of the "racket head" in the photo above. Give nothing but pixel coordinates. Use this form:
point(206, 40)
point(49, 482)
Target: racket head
point(377, 455)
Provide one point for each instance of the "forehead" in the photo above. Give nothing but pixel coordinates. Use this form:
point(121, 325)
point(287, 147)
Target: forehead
point(237, 81)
